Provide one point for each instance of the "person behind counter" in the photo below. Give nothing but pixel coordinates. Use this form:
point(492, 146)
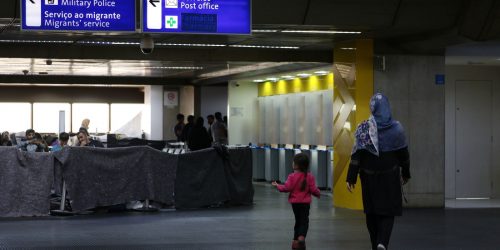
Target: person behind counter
point(85, 124)
point(198, 138)
point(219, 130)
point(41, 143)
point(61, 142)
point(210, 121)
point(32, 144)
point(186, 131)
point(179, 127)
point(5, 140)
point(86, 141)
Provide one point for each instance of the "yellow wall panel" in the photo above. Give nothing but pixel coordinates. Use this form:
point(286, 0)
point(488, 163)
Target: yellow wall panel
point(353, 88)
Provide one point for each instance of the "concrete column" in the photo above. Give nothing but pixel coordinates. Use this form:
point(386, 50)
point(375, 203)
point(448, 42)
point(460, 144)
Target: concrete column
point(152, 119)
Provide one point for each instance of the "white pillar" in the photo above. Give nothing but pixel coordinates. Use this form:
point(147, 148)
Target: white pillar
point(152, 119)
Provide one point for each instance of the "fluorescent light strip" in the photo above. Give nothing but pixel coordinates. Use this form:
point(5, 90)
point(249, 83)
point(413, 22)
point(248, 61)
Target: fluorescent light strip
point(190, 45)
point(177, 68)
point(265, 31)
point(321, 73)
point(107, 43)
point(263, 47)
point(348, 48)
point(303, 75)
point(36, 41)
point(321, 32)
point(485, 198)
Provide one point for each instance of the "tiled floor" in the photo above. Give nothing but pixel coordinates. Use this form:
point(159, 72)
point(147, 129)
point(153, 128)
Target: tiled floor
point(267, 225)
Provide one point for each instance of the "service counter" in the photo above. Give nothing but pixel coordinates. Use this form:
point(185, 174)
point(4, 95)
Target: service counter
point(259, 163)
point(272, 164)
point(97, 177)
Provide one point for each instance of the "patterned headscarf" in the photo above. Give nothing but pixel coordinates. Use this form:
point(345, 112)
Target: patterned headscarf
point(380, 133)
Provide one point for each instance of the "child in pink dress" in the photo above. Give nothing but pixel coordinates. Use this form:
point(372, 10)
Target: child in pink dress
point(301, 185)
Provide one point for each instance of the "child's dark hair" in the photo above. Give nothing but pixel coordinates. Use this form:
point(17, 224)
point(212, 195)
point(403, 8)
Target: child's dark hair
point(301, 160)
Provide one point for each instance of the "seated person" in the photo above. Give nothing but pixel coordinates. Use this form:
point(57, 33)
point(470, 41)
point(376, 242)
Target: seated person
point(5, 140)
point(32, 144)
point(61, 142)
point(86, 141)
point(41, 142)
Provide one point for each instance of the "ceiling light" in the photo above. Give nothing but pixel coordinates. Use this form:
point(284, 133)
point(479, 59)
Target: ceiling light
point(263, 46)
point(348, 48)
point(322, 72)
point(321, 31)
point(303, 75)
point(190, 45)
point(243, 69)
point(176, 68)
point(272, 79)
point(264, 31)
point(288, 77)
point(259, 81)
point(36, 41)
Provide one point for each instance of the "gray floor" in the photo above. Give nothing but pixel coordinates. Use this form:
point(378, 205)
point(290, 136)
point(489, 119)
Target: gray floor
point(267, 225)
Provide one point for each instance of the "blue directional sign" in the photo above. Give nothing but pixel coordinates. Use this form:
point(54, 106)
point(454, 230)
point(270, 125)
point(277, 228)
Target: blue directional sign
point(79, 15)
point(197, 16)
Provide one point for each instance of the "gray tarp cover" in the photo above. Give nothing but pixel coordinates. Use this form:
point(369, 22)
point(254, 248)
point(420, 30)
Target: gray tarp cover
point(25, 181)
point(103, 177)
point(209, 177)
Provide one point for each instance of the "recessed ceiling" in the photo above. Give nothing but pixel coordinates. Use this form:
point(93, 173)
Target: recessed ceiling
point(397, 26)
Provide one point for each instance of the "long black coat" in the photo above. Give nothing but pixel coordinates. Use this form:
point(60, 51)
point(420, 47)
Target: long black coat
point(381, 179)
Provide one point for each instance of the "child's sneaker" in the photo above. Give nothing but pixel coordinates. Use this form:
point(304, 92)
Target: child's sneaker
point(381, 247)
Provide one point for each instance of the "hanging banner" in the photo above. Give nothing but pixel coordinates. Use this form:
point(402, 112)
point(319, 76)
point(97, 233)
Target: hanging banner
point(79, 15)
point(197, 16)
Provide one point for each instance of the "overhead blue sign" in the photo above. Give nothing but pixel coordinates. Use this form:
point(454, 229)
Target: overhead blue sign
point(197, 16)
point(79, 15)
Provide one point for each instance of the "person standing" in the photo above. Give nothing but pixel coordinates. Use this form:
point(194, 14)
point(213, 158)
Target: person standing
point(198, 138)
point(301, 185)
point(187, 128)
point(210, 121)
point(179, 127)
point(219, 130)
point(381, 158)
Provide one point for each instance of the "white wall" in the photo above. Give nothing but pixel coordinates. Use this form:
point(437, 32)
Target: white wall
point(213, 99)
point(471, 73)
point(242, 120)
point(186, 100)
point(152, 119)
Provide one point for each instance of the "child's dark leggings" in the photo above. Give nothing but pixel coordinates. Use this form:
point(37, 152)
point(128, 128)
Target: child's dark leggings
point(380, 229)
point(301, 211)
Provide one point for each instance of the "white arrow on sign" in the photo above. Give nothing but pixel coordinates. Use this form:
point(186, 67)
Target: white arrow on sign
point(154, 12)
point(33, 13)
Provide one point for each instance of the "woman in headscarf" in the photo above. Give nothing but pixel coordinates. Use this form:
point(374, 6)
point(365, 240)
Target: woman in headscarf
point(381, 158)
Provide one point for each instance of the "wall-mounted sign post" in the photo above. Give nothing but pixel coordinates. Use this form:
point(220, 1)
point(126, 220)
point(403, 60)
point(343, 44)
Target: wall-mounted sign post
point(79, 15)
point(197, 16)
